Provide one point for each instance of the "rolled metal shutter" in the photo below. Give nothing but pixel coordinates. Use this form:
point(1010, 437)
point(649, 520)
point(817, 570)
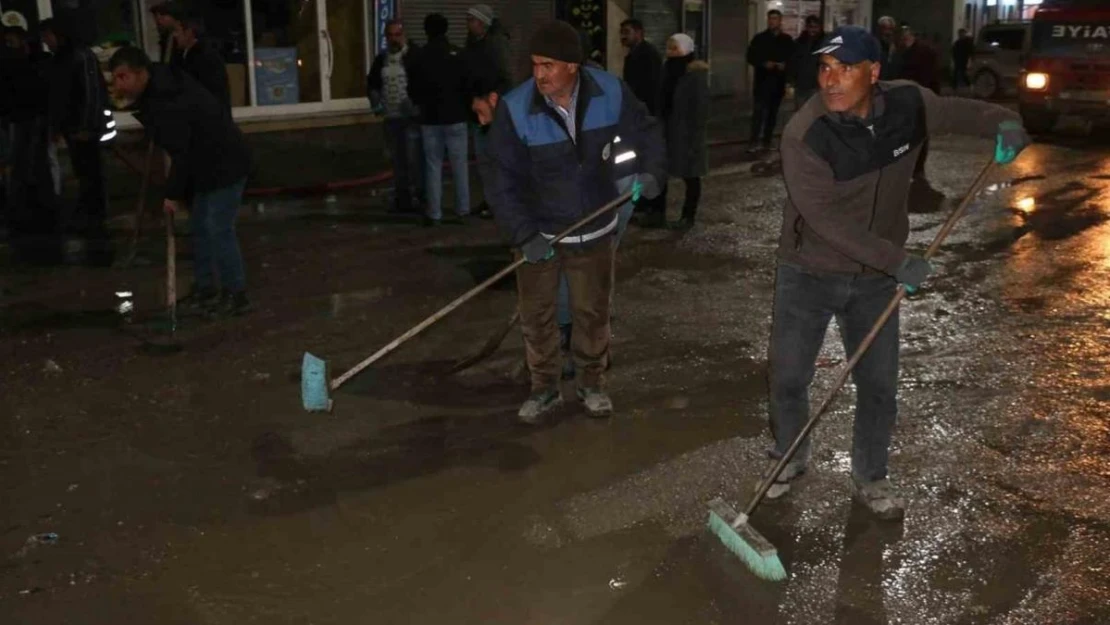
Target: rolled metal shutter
point(413, 13)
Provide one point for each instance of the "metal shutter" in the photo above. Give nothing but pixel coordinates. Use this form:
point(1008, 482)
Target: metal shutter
point(413, 13)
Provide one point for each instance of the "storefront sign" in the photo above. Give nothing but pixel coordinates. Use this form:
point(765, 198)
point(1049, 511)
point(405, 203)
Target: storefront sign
point(385, 11)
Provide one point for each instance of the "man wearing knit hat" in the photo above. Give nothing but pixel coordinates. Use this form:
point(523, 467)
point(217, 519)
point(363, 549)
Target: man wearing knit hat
point(553, 153)
point(487, 67)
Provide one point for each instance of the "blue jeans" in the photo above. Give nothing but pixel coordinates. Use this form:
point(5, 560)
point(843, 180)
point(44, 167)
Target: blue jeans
point(805, 302)
point(452, 138)
point(215, 247)
point(406, 150)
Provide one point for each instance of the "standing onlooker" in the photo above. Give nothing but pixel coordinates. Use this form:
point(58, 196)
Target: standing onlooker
point(199, 58)
point(803, 65)
point(78, 103)
point(888, 42)
point(962, 50)
point(387, 87)
point(768, 53)
point(921, 65)
point(30, 195)
point(438, 86)
point(684, 109)
point(487, 64)
point(209, 166)
point(167, 17)
point(643, 67)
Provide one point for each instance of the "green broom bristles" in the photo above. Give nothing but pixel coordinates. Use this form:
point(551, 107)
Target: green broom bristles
point(745, 542)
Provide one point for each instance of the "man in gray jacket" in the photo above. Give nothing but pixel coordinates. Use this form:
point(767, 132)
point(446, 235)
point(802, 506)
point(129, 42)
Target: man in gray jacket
point(848, 157)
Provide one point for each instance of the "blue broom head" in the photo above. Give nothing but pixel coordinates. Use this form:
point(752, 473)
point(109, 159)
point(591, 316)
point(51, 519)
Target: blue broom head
point(314, 384)
point(755, 551)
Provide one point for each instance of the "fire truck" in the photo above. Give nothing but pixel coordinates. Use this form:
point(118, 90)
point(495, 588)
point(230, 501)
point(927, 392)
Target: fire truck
point(1067, 71)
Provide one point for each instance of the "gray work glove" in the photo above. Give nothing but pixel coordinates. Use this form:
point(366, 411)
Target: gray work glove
point(913, 272)
point(537, 249)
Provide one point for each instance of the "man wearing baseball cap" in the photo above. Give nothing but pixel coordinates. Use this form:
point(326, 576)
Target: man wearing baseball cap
point(848, 157)
point(552, 161)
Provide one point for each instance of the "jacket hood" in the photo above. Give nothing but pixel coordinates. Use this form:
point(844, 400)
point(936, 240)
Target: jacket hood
point(164, 81)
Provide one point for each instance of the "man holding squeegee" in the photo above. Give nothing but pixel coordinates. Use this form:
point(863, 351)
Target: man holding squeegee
point(551, 162)
point(848, 157)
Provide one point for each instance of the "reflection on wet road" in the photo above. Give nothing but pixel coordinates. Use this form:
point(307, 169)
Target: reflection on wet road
point(420, 501)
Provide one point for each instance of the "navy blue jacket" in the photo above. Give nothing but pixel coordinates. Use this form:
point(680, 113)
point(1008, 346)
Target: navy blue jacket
point(540, 181)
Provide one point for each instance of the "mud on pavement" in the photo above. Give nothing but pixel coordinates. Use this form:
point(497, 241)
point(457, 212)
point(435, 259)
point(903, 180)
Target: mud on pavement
point(192, 488)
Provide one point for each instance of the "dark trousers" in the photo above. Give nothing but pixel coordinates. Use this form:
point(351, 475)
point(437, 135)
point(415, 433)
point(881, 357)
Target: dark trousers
point(919, 168)
point(959, 76)
point(92, 205)
point(693, 197)
point(805, 302)
point(765, 113)
point(589, 276)
point(215, 247)
point(32, 209)
point(402, 139)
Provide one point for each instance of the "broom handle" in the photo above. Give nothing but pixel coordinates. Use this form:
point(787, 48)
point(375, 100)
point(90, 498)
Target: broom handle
point(846, 370)
point(464, 298)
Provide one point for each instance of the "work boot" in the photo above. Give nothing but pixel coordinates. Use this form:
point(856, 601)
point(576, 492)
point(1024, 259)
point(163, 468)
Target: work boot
point(234, 304)
point(535, 407)
point(597, 402)
point(682, 225)
point(198, 301)
point(793, 470)
point(881, 498)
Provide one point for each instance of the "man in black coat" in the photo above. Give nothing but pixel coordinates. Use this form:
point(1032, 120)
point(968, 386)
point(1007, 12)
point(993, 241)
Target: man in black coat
point(643, 66)
point(198, 57)
point(78, 114)
point(768, 53)
point(803, 66)
point(962, 50)
point(32, 209)
point(437, 84)
point(209, 166)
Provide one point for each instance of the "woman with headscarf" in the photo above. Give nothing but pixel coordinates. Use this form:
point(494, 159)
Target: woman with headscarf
point(684, 109)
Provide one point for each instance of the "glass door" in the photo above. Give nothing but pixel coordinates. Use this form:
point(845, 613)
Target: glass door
point(289, 52)
point(344, 34)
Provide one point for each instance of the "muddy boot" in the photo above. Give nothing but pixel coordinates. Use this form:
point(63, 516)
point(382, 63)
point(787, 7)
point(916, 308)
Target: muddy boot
point(535, 407)
point(793, 470)
point(199, 301)
point(597, 402)
point(568, 355)
point(881, 498)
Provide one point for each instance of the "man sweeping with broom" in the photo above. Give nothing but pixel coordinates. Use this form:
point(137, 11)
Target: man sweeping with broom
point(551, 160)
point(848, 158)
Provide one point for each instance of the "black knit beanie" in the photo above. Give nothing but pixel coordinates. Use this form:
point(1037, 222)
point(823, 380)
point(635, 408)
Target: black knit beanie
point(557, 40)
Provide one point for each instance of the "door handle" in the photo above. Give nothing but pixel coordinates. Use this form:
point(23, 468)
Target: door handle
point(331, 51)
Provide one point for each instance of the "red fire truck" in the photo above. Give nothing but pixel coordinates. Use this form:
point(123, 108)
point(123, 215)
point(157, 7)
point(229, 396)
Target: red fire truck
point(1067, 71)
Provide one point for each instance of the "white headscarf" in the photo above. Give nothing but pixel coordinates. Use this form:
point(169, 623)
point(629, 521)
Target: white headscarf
point(684, 43)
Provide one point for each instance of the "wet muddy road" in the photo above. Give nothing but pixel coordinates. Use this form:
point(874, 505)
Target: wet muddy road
point(191, 488)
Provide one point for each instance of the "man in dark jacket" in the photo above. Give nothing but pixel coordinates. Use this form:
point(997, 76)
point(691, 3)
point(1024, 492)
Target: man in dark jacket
point(78, 114)
point(199, 58)
point(32, 208)
point(803, 65)
point(962, 49)
point(167, 17)
point(387, 87)
point(768, 53)
point(208, 171)
point(847, 158)
point(438, 86)
point(918, 62)
point(552, 158)
point(891, 52)
point(643, 66)
point(487, 63)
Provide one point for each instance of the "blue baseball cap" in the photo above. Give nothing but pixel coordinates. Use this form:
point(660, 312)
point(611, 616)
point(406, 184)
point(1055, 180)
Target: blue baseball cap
point(851, 45)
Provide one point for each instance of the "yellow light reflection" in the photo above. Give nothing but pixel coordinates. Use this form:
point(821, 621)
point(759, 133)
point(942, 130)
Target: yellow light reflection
point(1026, 204)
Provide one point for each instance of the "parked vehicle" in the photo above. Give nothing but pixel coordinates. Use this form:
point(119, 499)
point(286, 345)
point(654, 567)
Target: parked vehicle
point(1068, 70)
point(996, 63)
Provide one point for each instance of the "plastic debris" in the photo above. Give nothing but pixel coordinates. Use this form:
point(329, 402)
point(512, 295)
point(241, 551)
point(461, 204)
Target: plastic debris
point(617, 583)
point(51, 367)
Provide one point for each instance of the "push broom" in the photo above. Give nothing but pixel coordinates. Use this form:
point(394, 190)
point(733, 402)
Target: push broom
point(733, 529)
point(315, 387)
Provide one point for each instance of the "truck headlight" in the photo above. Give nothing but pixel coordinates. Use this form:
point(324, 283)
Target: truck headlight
point(1036, 81)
